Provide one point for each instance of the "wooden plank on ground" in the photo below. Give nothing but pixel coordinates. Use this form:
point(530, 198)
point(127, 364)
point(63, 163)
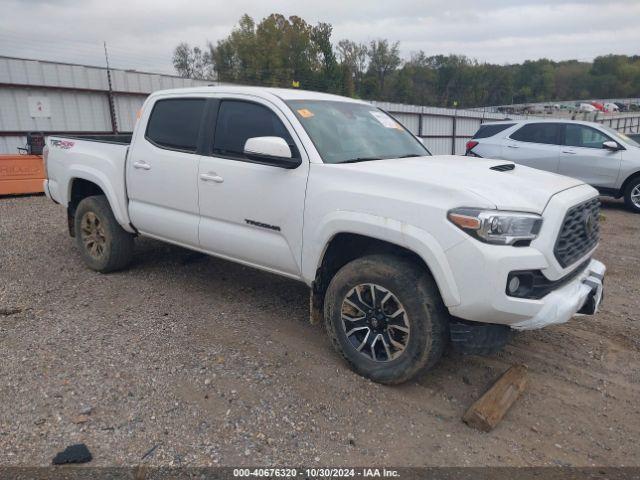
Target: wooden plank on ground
point(489, 409)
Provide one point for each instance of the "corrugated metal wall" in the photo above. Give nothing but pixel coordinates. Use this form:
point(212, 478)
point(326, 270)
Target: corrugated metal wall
point(77, 97)
point(445, 131)
point(126, 107)
point(79, 102)
point(70, 111)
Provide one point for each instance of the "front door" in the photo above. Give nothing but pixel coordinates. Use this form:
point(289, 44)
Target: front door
point(583, 157)
point(251, 212)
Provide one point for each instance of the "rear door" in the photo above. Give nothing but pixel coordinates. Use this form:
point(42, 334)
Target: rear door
point(535, 145)
point(162, 171)
point(583, 157)
point(251, 212)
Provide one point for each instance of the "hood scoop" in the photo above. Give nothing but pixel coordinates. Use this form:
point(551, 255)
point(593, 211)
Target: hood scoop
point(505, 167)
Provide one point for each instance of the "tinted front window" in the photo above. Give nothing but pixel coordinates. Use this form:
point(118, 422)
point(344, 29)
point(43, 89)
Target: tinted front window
point(490, 130)
point(175, 123)
point(621, 136)
point(239, 121)
point(349, 131)
point(583, 136)
point(537, 133)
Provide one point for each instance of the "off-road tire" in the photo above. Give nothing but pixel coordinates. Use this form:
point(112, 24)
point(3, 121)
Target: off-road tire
point(117, 247)
point(415, 288)
point(634, 184)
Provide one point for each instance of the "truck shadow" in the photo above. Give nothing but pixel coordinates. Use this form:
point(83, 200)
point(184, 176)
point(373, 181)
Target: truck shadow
point(609, 203)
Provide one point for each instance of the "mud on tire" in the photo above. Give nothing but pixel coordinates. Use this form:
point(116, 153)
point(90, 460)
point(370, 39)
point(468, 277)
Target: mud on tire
point(104, 245)
point(412, 342)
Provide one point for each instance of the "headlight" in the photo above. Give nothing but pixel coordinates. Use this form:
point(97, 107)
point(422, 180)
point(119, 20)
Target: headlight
point(495, 226)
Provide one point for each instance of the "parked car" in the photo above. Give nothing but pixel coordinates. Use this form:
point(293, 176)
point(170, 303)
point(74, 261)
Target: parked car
point(591, 152)
point(611, 107)
point(586, 107)
point(623, 107)
point(404, 252)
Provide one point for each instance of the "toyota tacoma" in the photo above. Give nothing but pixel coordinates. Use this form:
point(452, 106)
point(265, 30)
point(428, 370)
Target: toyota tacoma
point(404, 252)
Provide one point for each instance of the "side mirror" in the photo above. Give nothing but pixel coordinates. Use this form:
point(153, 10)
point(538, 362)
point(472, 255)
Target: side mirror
point(610, 145)
point(270, 151)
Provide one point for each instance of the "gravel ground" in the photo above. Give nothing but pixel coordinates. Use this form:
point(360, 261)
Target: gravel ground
point(189, 360)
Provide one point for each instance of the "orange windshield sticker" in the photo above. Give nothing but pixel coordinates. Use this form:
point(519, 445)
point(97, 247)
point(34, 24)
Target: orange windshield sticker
point(304, 113)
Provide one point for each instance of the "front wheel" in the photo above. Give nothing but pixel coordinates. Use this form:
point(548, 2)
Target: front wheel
point(104, 245)
point(632, 195)
point(385, 316)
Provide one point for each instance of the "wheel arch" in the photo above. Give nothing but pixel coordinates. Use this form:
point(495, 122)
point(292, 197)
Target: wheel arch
point(342, 245)
point(629, 179)
point(84, 184)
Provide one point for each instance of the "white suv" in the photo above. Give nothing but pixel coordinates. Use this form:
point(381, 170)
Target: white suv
point(593, 153)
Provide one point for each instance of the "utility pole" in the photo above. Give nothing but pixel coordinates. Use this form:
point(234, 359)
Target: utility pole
point(112, 106)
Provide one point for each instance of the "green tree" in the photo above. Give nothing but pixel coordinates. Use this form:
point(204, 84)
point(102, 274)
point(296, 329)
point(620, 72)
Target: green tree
point(384, 59)
point(286, 51)
point(191, 62)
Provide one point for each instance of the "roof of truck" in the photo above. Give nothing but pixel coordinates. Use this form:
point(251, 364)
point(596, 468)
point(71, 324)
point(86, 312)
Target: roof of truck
point(282, 93)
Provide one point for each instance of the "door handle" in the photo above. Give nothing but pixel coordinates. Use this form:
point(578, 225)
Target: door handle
point(211, 177)
point(141, 165)
point(513, 146)
point(570, 152)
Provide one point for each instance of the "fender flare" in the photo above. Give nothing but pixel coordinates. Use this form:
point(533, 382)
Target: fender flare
point(119, 209)
point(629, 178)
point(398, 233)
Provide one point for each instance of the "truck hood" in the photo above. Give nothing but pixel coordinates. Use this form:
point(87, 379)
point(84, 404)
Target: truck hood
point(521, 189)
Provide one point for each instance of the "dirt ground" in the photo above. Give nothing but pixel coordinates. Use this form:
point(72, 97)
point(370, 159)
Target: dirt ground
point(189, 360)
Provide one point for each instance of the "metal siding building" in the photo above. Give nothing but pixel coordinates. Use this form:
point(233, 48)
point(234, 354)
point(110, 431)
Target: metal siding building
point(445, 131)
point(77, 101)
point(77, 98)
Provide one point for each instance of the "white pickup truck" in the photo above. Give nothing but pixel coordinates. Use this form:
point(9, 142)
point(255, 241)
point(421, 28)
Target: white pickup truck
point(404, 252)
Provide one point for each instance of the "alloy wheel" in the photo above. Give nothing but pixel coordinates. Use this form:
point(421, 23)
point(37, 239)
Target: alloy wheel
point(375, 322)
point(635, 196)
point(92, 234)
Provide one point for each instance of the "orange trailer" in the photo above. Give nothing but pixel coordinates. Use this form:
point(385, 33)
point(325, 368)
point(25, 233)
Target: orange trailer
point(21, 174)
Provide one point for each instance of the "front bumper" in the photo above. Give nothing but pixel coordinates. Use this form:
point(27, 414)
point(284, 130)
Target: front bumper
point(582, 296)
point(481, 272)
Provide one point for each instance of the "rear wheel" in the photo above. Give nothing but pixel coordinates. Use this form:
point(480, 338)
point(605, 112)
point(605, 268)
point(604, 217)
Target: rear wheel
point(632, 195)
point(104, 245)
point(385, 316)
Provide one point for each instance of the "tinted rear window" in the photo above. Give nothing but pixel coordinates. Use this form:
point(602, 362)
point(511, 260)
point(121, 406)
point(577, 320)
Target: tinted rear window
point(538, 133)
point(175, 123)
point(490, 130)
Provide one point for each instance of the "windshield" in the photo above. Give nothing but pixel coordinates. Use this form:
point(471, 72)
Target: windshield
point(621, 137)
point(345, 132)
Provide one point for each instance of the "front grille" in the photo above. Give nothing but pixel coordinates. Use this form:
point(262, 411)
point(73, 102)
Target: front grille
point(579, 233)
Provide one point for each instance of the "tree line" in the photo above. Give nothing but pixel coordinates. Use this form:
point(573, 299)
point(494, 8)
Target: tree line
point(289, 52)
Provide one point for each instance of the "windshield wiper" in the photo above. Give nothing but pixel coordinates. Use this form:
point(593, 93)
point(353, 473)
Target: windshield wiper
point(360, 159)
point(366, 159)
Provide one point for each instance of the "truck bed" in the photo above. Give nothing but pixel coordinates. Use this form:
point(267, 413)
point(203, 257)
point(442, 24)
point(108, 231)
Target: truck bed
point(99, 159)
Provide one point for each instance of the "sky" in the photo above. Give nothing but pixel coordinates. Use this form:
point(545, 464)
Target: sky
point(141, 34)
